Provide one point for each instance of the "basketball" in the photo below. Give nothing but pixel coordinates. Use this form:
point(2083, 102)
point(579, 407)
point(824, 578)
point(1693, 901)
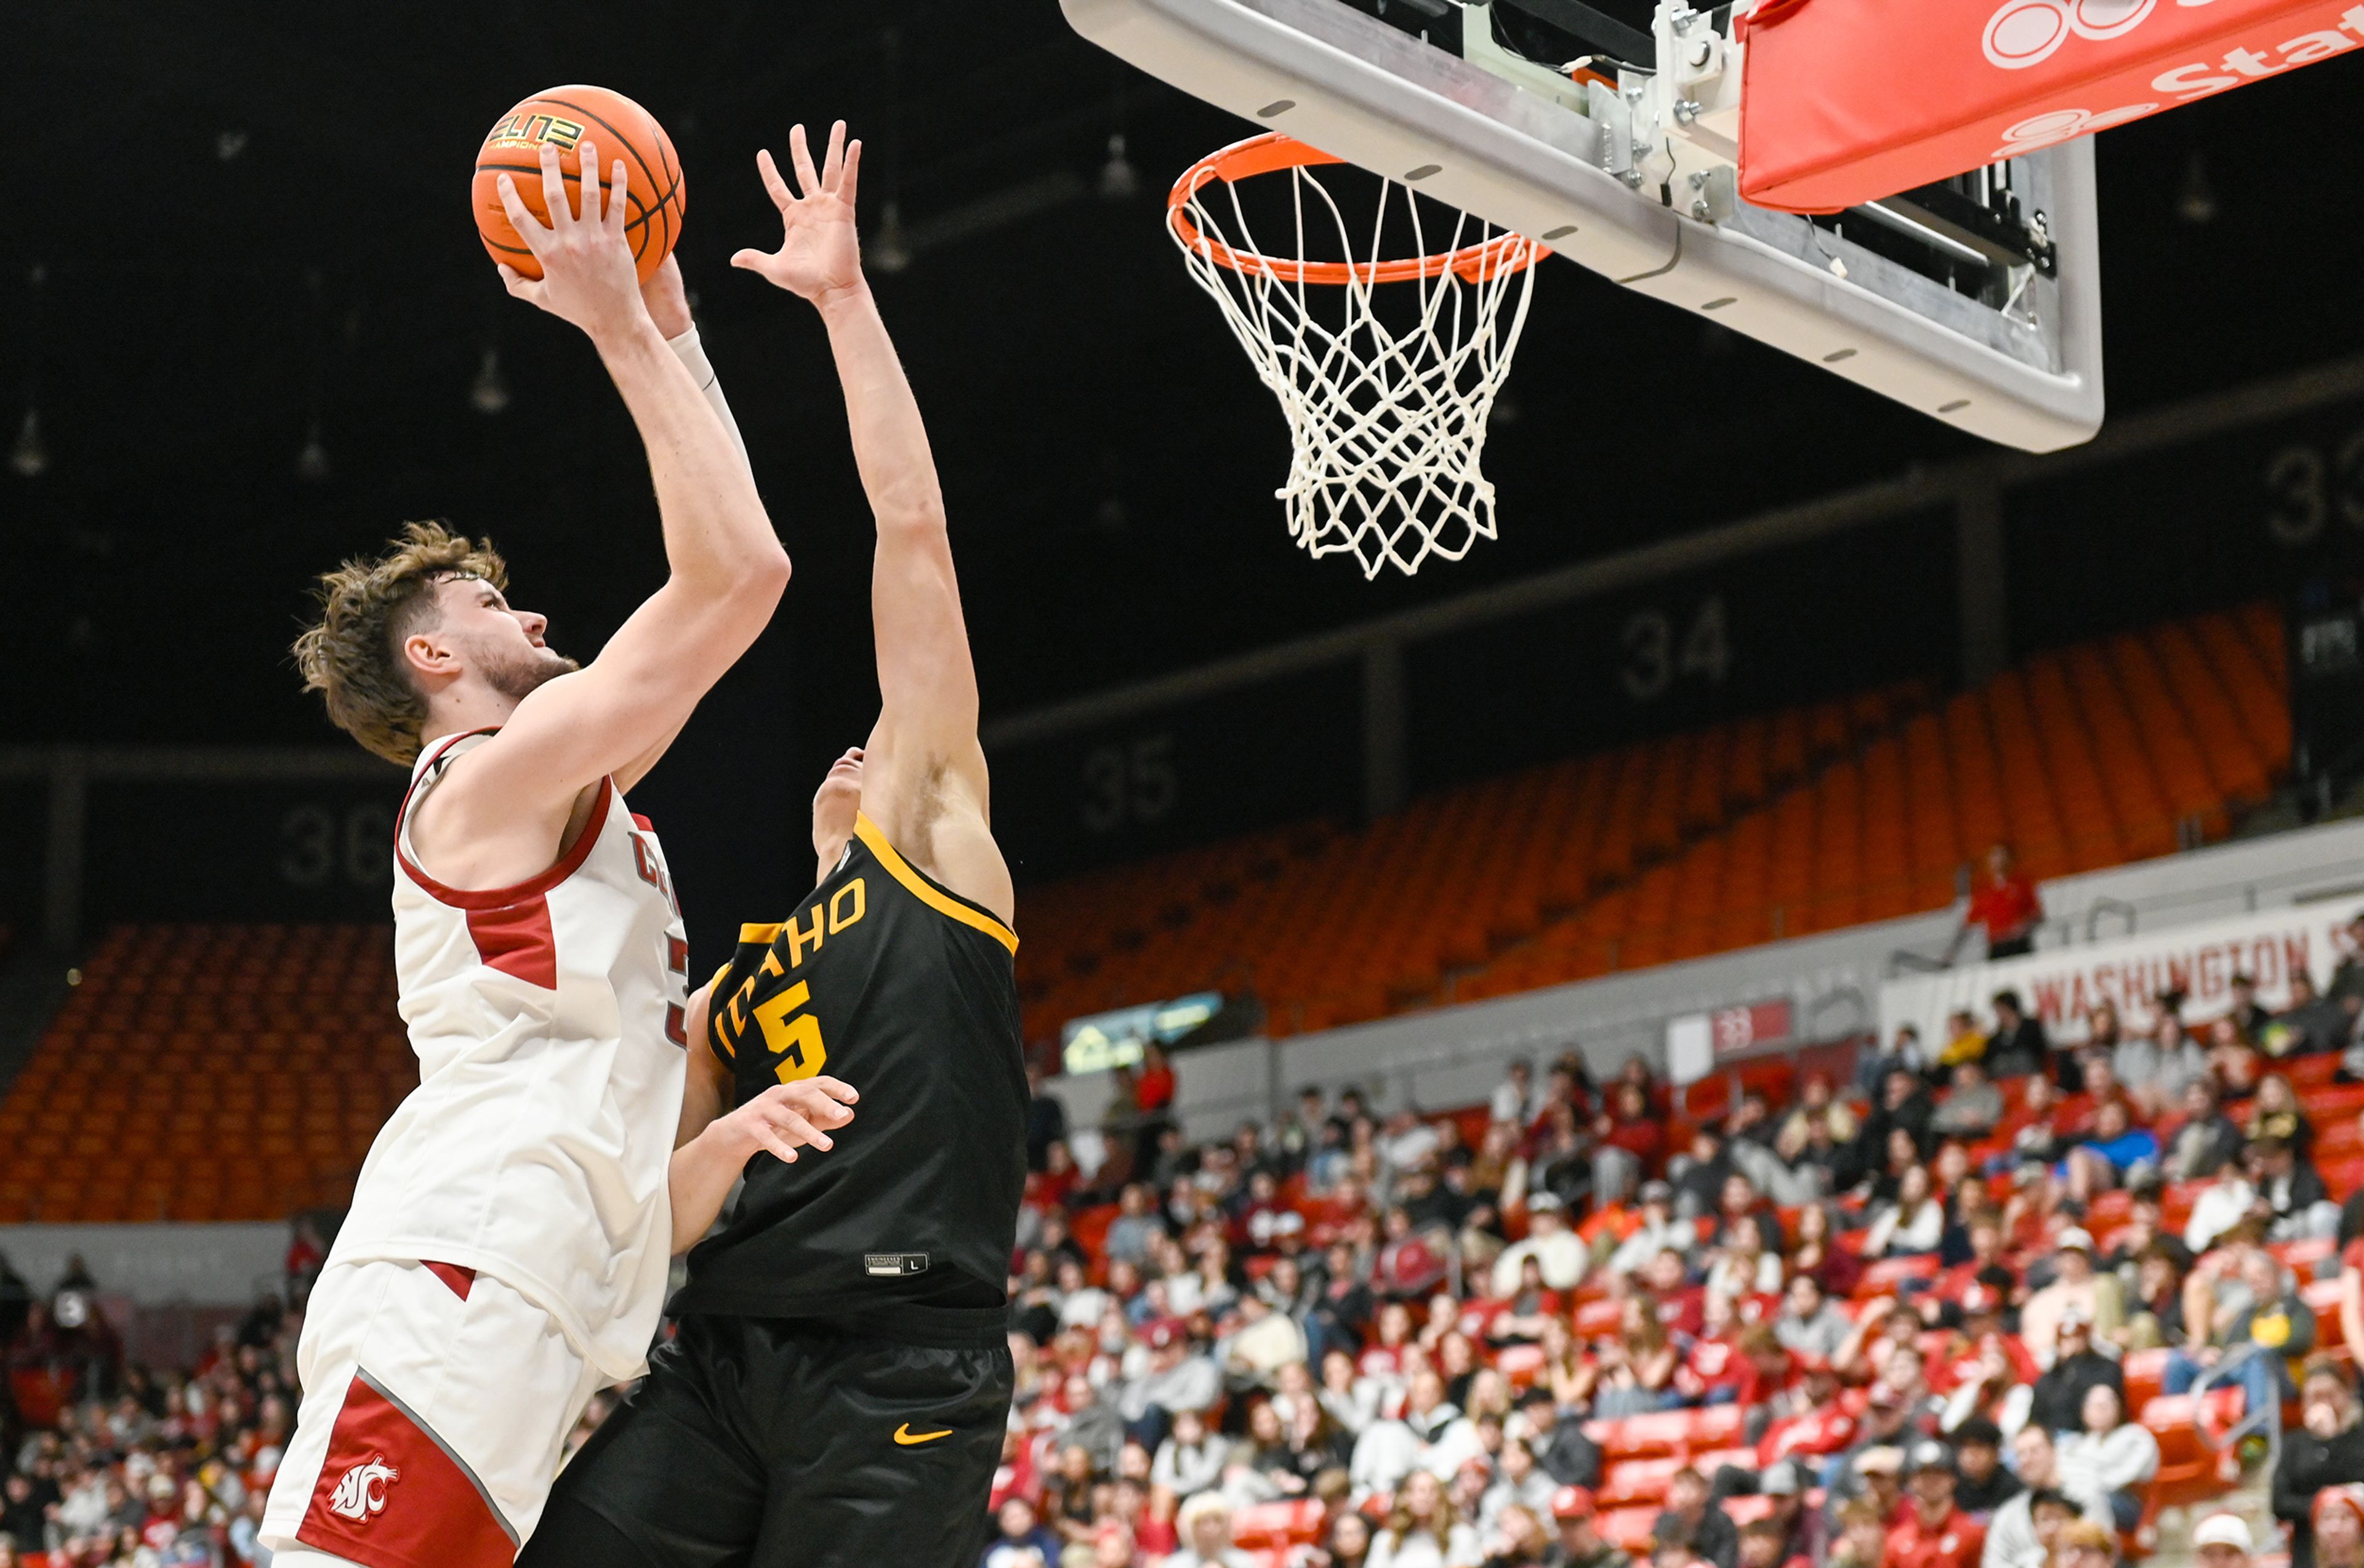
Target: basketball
point(617, 128)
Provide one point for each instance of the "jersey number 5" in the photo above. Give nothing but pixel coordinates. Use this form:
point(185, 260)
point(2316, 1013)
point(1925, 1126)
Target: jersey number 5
point(796, 1042)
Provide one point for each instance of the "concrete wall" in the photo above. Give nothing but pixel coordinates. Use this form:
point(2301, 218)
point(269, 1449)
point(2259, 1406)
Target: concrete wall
point(154, 1265)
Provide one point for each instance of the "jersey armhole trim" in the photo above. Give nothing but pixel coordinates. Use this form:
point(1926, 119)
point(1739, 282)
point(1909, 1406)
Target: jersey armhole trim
point(927, 892)
point(517, 892)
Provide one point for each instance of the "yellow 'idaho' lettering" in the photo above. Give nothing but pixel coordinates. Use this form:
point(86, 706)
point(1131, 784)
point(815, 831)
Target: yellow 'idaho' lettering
point(837, 919)
point(798, 937)
point(795, 1041)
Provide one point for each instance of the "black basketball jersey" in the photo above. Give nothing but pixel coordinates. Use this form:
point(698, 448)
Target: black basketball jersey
point(909, 992)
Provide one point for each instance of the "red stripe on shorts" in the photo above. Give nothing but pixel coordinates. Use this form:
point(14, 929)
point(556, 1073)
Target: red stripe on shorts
point(390, 1496)
point(462, 1280)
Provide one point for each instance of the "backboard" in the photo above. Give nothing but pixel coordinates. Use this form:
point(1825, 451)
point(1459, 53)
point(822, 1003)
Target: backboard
point(1975, 301)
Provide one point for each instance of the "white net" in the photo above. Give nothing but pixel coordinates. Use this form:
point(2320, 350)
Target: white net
point(1388, 370)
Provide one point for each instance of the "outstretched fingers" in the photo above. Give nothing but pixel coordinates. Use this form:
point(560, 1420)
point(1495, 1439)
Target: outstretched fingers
point(782, 197)
point(618, 180)
point(801, 153)
point(832, 166)
point(853, 173)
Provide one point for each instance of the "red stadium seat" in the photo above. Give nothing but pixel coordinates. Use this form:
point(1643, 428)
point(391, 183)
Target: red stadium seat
point(1667, 1433)
point(1278, 1525)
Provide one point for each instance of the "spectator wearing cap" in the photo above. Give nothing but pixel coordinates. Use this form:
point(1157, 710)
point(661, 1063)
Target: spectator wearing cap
point(2326, 1450)
point(2117, 1455)
point(1550, 1242)
point(1811, 1323)
point(2058, 1402)
point(1423, 1529)
point(2222, 1540)
point(1688, 1522)
point(2079, 1290)
point(1580, 1545)
point(1176, 1379)
point(1933, 1531)
point(1981, 1482)
point(2338, 1521)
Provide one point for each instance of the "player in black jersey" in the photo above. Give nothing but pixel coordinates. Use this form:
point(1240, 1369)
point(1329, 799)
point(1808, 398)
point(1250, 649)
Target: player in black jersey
point(840, 1385)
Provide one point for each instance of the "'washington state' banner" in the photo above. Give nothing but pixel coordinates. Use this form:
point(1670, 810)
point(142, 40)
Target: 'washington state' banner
point(2062, 986)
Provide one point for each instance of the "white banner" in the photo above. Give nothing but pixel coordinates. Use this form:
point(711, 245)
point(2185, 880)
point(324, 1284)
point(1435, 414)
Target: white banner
point(2063, 986)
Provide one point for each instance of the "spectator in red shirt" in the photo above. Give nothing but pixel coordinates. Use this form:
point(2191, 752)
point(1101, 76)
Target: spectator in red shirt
point(1633, 1142)
point(1811, 1424)
point(1934, 1533)
point(2006, 906)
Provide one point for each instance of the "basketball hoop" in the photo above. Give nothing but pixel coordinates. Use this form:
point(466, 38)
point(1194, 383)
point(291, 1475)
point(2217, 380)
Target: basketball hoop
point(1388, 422)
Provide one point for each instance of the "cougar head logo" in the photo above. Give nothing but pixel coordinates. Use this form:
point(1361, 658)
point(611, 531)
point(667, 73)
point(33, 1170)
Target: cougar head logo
point(361, 1491)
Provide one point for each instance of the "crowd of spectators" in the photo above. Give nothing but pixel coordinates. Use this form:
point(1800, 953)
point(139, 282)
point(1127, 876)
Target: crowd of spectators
point(1899, 1308)
point(106, 1464)
point(1364, 1341)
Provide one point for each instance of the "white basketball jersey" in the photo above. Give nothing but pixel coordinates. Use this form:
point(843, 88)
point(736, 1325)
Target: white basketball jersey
point(549, 1021)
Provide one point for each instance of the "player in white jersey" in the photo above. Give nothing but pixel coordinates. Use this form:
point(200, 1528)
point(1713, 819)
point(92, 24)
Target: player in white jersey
point(507, 1251)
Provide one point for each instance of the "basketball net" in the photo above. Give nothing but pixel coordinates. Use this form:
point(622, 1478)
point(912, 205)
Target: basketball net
point(1387, 414)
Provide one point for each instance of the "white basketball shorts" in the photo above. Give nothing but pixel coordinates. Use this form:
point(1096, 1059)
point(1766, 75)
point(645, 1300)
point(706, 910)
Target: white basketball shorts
point(436, 1407)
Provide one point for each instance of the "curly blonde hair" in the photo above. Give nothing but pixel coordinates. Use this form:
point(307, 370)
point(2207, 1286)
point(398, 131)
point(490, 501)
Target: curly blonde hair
point(352, 654)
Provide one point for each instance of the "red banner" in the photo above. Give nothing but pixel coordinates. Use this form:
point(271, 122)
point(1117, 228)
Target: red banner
point(1847, 100)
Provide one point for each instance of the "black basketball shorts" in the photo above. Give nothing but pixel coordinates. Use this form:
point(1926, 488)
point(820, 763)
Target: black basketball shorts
point(759, 1443)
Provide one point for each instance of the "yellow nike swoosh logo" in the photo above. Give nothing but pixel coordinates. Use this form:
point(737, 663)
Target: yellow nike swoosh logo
point(907, 1437)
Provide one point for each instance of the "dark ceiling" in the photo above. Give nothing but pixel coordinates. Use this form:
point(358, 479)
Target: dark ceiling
point(248, 215)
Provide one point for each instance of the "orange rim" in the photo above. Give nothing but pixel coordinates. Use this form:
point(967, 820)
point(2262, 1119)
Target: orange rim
point(1272, 153)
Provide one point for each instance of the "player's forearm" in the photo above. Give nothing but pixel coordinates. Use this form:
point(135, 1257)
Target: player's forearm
point(700, 1179)
point(890, 441)
point(690, 350)
point(719, 540)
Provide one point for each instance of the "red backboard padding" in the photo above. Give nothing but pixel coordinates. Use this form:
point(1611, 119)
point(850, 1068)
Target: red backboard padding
point(1846, 101)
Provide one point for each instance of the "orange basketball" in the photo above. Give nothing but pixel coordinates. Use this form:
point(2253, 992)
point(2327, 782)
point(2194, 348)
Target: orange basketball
point(565, 116)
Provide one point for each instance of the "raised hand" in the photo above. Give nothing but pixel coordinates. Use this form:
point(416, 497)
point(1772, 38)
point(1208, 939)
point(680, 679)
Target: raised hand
point(821, 254)
point(587, 274)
